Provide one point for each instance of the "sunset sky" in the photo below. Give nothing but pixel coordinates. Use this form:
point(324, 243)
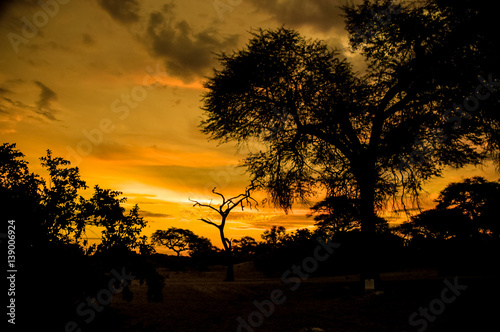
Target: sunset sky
point(116, 87)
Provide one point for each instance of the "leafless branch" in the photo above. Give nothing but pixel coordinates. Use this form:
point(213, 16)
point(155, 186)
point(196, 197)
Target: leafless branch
point(208, 221)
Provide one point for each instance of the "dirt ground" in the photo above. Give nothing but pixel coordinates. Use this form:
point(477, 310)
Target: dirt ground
point(201, 301)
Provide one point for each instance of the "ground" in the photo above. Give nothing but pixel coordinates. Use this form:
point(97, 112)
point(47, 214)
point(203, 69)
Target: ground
point(201, 301)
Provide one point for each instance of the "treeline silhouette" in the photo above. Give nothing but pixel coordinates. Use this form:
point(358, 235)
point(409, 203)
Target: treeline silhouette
point(460, 235)
point(59, 269)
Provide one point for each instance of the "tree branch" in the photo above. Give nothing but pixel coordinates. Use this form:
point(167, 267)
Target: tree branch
point(208, 221)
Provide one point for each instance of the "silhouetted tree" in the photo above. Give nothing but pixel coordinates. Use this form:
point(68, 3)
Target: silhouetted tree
point(478, 200)
point(336, 214)
point(20, 196)
point(199, 245)
point(122, 230)
point(63, 216)
point(370, 137)
point(275, 237)
point(244, 248)
point(227, 205)
point(465, 210)
point(176, 239)
point(438, 225)
point(50, 219)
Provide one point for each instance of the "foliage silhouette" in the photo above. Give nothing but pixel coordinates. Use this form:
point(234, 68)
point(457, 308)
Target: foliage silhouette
point(336, 214)
point(464, 210)
point(104, 209)
point(244, 248)
point(477, 199)
point(369, 137)
point(179, 240)
point(275, 237)
point(51, 219)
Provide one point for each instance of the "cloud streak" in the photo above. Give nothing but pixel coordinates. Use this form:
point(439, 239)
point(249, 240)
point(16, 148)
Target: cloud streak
point(148, 214)
point(47, 96)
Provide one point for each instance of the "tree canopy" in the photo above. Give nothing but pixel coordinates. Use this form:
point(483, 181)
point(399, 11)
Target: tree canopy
point(372, 136)
point(464, 210)
point(179, 240)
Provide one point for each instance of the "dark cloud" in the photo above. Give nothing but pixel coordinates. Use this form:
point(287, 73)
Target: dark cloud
point(323, 15)
point(10, 106)
point(147, 214)
point(188, 54)
point(4, 91)
point(47, 96)
point(6, 4)
point(124, 11)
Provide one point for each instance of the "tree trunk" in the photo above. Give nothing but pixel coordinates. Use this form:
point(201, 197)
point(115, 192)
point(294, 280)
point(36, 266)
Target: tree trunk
point(228, 251)
point(230, 268)
point(369, 257)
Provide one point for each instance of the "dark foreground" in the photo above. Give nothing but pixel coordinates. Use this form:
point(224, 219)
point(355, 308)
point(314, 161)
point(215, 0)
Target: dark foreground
point(195, 301)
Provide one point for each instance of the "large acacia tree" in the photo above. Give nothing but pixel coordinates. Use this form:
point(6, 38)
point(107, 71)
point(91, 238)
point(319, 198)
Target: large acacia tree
point(426, 101)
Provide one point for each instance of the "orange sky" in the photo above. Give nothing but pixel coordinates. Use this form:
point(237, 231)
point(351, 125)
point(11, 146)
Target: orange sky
point(116, 87)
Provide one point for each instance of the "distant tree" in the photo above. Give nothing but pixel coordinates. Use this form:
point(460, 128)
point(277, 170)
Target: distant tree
point(437, 224)
point(466, 209)
point(336, 214)
point(227, 205)
point(145, 248)
point(477, 199)
point(244, 247)
point(122, 230)
point(275, 237)
point(301, 237)
point(176, 239)
point(200, 245)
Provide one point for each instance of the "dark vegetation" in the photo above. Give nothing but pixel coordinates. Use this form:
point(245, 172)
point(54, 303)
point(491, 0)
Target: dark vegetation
point(58, 268)
point(458, 237)
point(371, 138)
point(367, 140)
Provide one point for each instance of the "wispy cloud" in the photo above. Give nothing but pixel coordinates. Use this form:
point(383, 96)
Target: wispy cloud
point(4, 91)
point(148, 214)
point(46, 97)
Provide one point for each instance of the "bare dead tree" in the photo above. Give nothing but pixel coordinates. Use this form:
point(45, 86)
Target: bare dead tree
point(227, 205)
